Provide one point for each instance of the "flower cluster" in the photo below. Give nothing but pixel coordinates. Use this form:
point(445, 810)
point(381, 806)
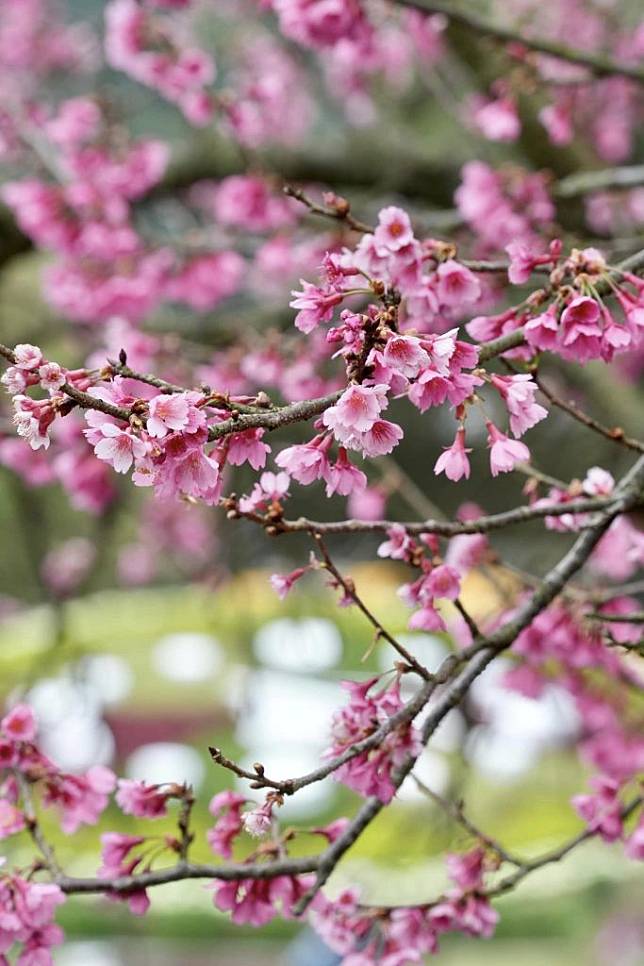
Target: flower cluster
point(371, 771)
point(143, 43)
point(388, 320)
point(402, 935)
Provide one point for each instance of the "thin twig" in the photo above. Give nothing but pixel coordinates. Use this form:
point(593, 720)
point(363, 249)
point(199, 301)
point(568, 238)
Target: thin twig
point(467, 617)
point(556, 855)
point(455, 811)
point(33, 825)
point(380, 630)
point(633, 618)
point(615, 435)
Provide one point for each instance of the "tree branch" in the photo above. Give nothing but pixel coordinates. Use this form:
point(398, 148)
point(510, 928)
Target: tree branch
point(629, 492)
point(456, 811)
point(381, 631)
point(601, 65)
point(444, 528)
point(615, 435)
point(556, 855)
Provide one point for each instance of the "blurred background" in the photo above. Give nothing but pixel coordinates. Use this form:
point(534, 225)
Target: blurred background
point(143, 633)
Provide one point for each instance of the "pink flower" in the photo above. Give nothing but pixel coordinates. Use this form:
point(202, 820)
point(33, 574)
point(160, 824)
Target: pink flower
point(315, 305)
point(634, 847)
point(27, 912)
point(518, 394)
point(81, 798)
point(467, 869)
point(382, 438)
point(257, 901)
point(32, 419)
point(333, 830)
point(118, 447)
point(430, 389)
point(370, 772)
point(454, 462)
point(406, 355)
point(206, 280)
point(282, 583)
point(12, 819)
point(19, 724)
point(616, 338)
point(259, 821)
point(356, 410)
point(457, 285)
point(270, 488)
point(601, 811)
point(580, 333)
point(505, 453)
point(15, 380)
point(246, 201)
point(398, 545)
point(247, 447)
point(542, 331)
point(343, 477)
point(226, 807)
point(368, 504)
point(144, 801)
point(523, 261)
point(167, 412)
point(426, 619)
point(306, 463)
point(394, 230)
point(51, 376)
point(498, 120)
point(115, 849)
point(78, 120)
point(598, 482)
point(442, 581)
point(28, 357)
point(320, 23)
point(557, 120)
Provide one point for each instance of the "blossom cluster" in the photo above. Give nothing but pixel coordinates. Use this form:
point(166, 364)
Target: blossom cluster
point(402, 935)
point(370, 772)
point(396, 321)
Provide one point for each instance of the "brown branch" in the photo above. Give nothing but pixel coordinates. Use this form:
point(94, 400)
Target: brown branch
point(186, 837)
point(444, 528)
point(343, 213)
point(381, 631)
point(238, 422)
point(556, 855)
point(629, 176)
point(633, 618)
point(636, 647)
point(186, 870)
point(601, 65)
point(340, 213)
point(456, 811)
point(289, 786)
point(628, 492)
point(615, 435)
point(527, 868)
point(469, 620)
point(482, 655)
point(33, 825)
point(218, 399)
